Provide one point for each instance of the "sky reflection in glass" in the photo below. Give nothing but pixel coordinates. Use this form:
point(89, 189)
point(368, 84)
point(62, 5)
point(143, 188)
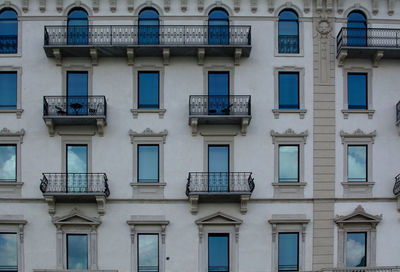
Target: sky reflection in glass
point(288, 255)
point(218, 252)
point(8, 252)
point(8, 165)
point(356, 249)
point(357, 163)
point(147, 252)
point(288, 163)
point(77, 251)
point(147, 163)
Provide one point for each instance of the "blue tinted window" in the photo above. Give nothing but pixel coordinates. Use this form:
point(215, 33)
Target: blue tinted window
point(8, 163)
point(356, 248)
point(77, 167)
point(288, 163)
point(218, 27)
point(288, 252)
point(357, 29)
point(8, 32)
point(77, 252)
point(77, 27)
point(77, 92)
point(218, 252)
point(8, 90)
point(288, 28)
point(148, 163)
point(8, 252)
point(357, 163)
point(288, 90)
point(148, 27)
point(148, 90)
point(147, 252)
point(357, 91)
point(218, 168)
point(218, 93)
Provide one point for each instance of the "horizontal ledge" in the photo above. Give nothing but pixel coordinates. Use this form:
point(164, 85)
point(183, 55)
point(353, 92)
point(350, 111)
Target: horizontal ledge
point(289, 184)
point(75, 194)
point(357, 184)
point(147, 222)
point(148, 184)
point(289, 110)
point(219, 193)
point(11, 110)
point(65, 270)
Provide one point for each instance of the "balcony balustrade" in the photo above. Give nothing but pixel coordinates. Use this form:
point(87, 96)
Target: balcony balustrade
point(219, 109)
point(8, 44)
point(363, 269)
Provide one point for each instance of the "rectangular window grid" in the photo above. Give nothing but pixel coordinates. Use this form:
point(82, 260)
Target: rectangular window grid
point(356, 249)
point(8, 252)
point(8, 90)
point(357, 91)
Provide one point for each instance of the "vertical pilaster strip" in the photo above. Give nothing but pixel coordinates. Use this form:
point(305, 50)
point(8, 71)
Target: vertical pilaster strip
point(323, 136)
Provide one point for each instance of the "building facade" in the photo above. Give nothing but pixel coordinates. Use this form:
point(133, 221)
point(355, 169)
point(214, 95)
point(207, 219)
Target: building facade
point(199, 135)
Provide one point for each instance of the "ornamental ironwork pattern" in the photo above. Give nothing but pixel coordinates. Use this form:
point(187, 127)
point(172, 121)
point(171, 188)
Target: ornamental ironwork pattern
point(220, 105)
point(75, 183)
point(288, 44)
point(368, 37)
point(74, 105)
point(363, 269)
point(398, 112)
point(125, 35)
point(396, 188)
point(8, 44)
point(217, 182)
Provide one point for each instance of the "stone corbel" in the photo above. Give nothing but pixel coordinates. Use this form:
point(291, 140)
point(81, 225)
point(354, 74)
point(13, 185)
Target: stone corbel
point(100, 126)
point(274, 231)
point(238, 55)
point(133, 234)
point(341, 57)
point(25, 5)
point(42, 5)
point(194, 123)
point(166, 55)
point(96, 5)
point(167, 5)
point(113, 5)
point(94, 56)
point(184, 5)
point(19, 113)
point(398, 203)
point(236, 5)
point(194, 203)
point(303, 232)
point(130, 5)
point(375, 7)
point(200, 233)
point(51, 203)
point(57, 56)
point(271, 6)
point(50, 126)
point(377, 57)
point(237, 233)
point(329, 5)
point(59, 6)
point(390, 5)
point(201, 52)
point(163, 227)
point(253, 5)
point(244, 124)
point(339, 6)
point(243, 203)
point(101, 204)
point(319, 6)
point(200, 5)
point(307, 6)
point(130, 54)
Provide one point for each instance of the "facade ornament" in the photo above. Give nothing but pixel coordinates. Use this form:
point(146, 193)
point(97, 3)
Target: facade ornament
point(59, 5)
point(148, 133)
point(339, 6)
point(5, 132)
point(167, 5)
point(25, 6)
point(307, 6)
point(42, 5)
point(358, 133)
point(253, 5)
point(375, 7)
point(390, 6)
point(288, 133)
point(96, 5)
point(236, 5)
point(200, 5)
point(113, 5)
point(324, 28)
point(184, 5)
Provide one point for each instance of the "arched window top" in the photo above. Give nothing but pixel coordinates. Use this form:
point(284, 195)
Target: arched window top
point(8, 31)
point(356, 19)
point(288, 32)
point(77, 14)
point(218, 14)
point(288, 15)
point(8, 14)
point(148, 14)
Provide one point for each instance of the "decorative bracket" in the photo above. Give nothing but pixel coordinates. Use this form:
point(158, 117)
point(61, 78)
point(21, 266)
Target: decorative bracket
point(25, 5)
point(113, 5)
point(253, 6)
point(193, 123)
point(167, 5)
point(339, 6)
point(390, 5)
point(200, 5)
point(94, 56)
point(238, 54)
point(51, 203)
point(166, 55)
point(244, 124)
point(236, 5)
point(375, 7)
point(59, 6)
point(377, 57)
point(42, 5)
point(101, 204)
point(184, 4)
point(100, 126)
point(201, 52)
point(243, 203)
point(50, 126)
point(58, 57)
point(307, 6)
point(130, 53)
point(341, 57)
point(130, 5)
point(271, 6)
point(194, 203)
point(96, 5)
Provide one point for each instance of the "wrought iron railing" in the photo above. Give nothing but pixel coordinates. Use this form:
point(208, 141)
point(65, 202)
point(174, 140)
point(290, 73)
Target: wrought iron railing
point(8, 44)
point(75, 183)
point(363, 269)
point(56, 106)
point(368, 37)
point(396, 187)
point(219, 182)
point(288, 44)
point(398, 113)
point(125, 35)
point(220, 105)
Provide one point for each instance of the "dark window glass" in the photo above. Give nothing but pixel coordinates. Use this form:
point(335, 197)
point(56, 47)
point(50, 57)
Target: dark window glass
point(78, 27)
point(356, 249)
point(77, 167)
point(218, 168)
point(148, 90)
point(77, 252)
point(357, 163)
point(218, 27)
point(288, 163)
point(288, 90)
point(288, 252)
point(8, 90)
point(8, 252)
point(356, 29)
point(147, 252)
point(77, 93)
point(218, 93)
point(8, 32)
point(148, 163)
point(8, 163)
point(218, 252)
point(288, 29)
point(148, 27)
point(357, 89)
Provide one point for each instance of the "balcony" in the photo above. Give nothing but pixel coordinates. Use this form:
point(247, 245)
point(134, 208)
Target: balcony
point(219, 110)
point(75, 187)
point(363, 269)
point(133, 41)
point(74, 111)
point(372, 43)
point(396, 190)
point(8, 44)
point(219, 187)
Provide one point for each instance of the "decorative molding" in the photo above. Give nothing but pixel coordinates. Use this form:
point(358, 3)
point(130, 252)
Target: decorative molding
point(94, 56)
point(200, 5)
point(167, 5)
point(148, 133)
point(25, 6)
point(13, 220)
point(96, 5)
point(5, 132)
point(130, 5)
point(339, 6)
point(51, 204)
point(390, 6)
point(289, 189)
point(76, 218)
point(130, 54)
point(201, 52)
point(329, 5)
point(358, 133)
point(57, 56)
point(113, 5)
point(271, 6)
point(253, 5)
point(194, 203)
point(358, 216)
point(289, 133)
point(218, 218)
point(59, 6)
point(288, 219)
point(236, 5)
point(135, 112)
point(42, 5)
point(377, 57)
point(357, 189)
point(319, 6)
point(184, 5)
point(147, 220)
point(166, 56)
point(346, 113)
point(277, 112)
point(375, 7)
point(307, 6)
point(237, 55)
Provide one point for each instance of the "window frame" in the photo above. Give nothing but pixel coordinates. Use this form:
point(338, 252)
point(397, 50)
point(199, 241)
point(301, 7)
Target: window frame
point(76, 141)
point(18, 109)
point(217, 234)
point(15, 224)
point(298, 248)
point(76, 69)
point(158, 247)
point(280, 105)
point(365, 247)
point(366, 163)
point(298, 29)
point(16, 161)
point(8, 5)
point(298, 162)
point(138, 88)
point(76, 233)
point(138, 162)
point(219, 141)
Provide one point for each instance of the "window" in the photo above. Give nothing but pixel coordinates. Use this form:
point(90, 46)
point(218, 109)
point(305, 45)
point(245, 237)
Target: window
point(148, 256)
point(356, 247)
point(218, 27)
point(77, 251)
point(148, 163)
point(357, 91)
point(8, 163)
point(77, 168)
point(356, 29)
point(218, 252)
point(218, 93)
point(357, 163)
point(148, 87)
point(288, 251)
point(8, 32)
point(8, 90)
point(77, 27)
point(8, 252)
point(77, 92)
point(288, 32)
point(148, 26)
point(218, 168)
point(288, 163)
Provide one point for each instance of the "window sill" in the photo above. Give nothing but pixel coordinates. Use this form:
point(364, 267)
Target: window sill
point(11, 55)
point(347, 112)
point(357, 189)
point(18, 112)
point(149, 190)
point(300, 54)
point(300, 112)
point(10, 189)
point(66, 270)
point(135, 112)
point(289, 190)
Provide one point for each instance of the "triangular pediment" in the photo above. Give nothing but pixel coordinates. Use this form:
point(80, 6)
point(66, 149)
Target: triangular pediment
point(358, 216)
point(219, 218)
point(76, 217)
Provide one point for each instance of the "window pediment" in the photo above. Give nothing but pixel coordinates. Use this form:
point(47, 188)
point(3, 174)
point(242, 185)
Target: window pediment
point(358, 216)
point(76, 218)
point(219, 218)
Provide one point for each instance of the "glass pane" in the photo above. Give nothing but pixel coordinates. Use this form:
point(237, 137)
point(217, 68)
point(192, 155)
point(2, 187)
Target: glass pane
point(147, 163)
point(357, 91)
point(148, 90)
point(218, 252)
point(77, 92)
point(357, 29)
point(218, 168)
point(78, 27)
point(8, 32)
point(218, 27)
point(77, 168)
point(218, 93)
point(148, 27)
point(77, 251)
point(147, 252)
point(8, 252)
point(288, 90)
point(8, 90)
point(356, 245)
point(288, 32)
point(288, 163)
point(357, 163)
point(8, 163)
point(288, 252)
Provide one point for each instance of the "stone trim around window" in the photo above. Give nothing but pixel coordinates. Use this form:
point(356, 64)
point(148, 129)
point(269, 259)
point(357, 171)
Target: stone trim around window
point(76, 68)
point(156, 224)
point(219, 140)
point(295, 189)
point(148, 190)
point(276, 110)
point(148, 68)
point(219, 68)
point(358, 189)
point(15, 224)
point(12, 189)
point(282, 223)
point(357, 221)
point(8, 4)
point(18, 110)
point(346, 111)
point(219, 223)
